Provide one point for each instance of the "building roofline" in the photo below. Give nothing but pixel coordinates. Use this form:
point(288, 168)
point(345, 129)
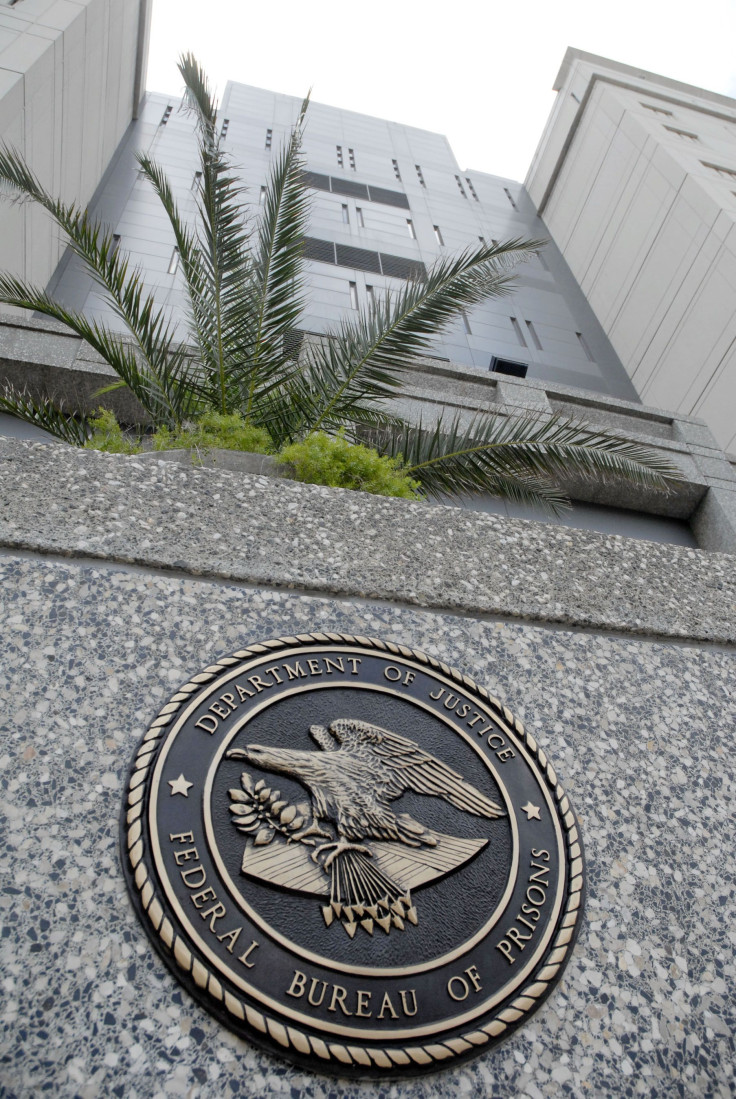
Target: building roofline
point(596, 61)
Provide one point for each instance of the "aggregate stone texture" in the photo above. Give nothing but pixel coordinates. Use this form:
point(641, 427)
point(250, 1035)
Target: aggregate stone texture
point(60, 499)
point(640, 733)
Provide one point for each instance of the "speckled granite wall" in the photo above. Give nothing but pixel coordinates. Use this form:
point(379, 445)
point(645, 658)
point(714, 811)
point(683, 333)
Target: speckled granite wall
point(640, 729)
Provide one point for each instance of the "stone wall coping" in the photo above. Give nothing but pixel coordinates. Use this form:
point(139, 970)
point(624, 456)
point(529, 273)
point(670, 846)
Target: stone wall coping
point(254, 529)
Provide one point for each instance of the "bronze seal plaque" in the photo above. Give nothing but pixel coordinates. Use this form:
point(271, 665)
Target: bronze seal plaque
point(352, 854)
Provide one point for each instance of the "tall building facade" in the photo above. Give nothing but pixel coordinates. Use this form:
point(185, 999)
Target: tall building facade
point(71, 80)
point(387, 200)
point(635, 178)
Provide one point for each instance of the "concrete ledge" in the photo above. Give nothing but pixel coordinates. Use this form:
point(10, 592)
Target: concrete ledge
point(237, 526)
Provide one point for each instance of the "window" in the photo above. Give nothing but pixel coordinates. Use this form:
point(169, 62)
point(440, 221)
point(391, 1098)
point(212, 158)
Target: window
point(397, 173)
point(225, 128)
point(466, 323)
point(471, 188)
point(262, 196)
point(115, 243)
point(410, 227)
point(518, 332)
point(351, 155)
point(345, 214)
point(269, 138)
point(438, 235)
point(353, 295)
point(482, 240)
point(584, 344)
point(166, 115)
point(682, 133)
point(533, 333)
point(726, 173)
point(197, 181)
point(371, 296)
point(359, 216)
point(657, 110)
point(339, 155)
point(460, 186)
point(420, 177)
point(508, 366)
point(509, 196)
point(174, 262)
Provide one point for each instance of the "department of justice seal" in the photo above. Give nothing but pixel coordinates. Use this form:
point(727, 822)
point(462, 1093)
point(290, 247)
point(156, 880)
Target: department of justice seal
point(352, 854)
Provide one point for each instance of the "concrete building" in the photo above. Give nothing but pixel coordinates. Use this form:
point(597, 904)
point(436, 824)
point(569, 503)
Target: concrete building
point(386, 199)
point(71, 80)
point(121, 577)
point(635, 179)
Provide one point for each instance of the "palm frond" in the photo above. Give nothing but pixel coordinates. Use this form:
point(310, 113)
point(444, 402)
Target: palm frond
point(363, 359)
point(520, 458)
point(278, 262)
point(186, 244)
point(123, 287)
point(169, 394)
point(46, 414)
point(226, 306)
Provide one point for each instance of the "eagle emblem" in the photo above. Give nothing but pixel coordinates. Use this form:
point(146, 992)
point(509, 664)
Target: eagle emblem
point(347, 844)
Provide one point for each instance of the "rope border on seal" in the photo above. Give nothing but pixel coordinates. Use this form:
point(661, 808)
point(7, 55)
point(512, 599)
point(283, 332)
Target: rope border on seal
point(289, 1037)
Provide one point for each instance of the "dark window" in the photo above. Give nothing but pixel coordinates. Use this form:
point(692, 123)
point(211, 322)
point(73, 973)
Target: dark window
point(460, 186)
point(339, 155)
point(397, 267)
point(317, 181)
point(471, 188)
point(389, 198)
point(349, 187)
point(225, 127)
point(359, 258)
point(584, 344)
point(420, 177)
point(293, 340)
point(269, 137)
point(517, 330)
point(657, 110)
point(533, 333)
point(321, 250)
point(682, 133)
point(397, 173)
point(510, 197)
point(166, 115)
point(351, 154)
point(508, 366)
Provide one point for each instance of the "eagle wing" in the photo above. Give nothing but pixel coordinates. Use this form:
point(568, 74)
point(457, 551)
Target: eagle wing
point(399, 764)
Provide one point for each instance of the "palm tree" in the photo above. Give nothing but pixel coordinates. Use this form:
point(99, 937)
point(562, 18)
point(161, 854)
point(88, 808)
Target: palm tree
point(243, 278)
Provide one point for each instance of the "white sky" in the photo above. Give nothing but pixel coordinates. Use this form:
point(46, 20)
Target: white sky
point(479, 72)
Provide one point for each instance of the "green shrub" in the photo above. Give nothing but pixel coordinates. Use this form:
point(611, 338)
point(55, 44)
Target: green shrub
point(108, 435)
point(212, 431)
point(331, 460)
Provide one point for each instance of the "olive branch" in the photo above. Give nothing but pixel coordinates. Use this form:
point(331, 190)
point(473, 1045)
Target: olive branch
point(259, 809)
